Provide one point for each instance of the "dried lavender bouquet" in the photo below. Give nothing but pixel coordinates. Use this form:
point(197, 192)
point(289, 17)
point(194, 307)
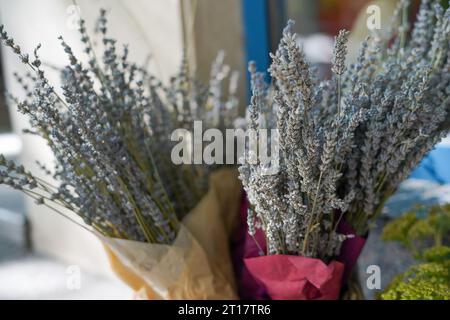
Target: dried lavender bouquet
point(346, 143)
point(109, 129)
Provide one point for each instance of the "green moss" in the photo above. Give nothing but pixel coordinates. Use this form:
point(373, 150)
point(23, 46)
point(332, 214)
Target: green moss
point(424, 237)
point(398, 229)
point(437, 254)
point(427, 281)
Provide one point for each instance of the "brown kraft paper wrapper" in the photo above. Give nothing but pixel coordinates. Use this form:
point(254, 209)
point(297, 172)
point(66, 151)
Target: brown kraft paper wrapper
point(198, 264)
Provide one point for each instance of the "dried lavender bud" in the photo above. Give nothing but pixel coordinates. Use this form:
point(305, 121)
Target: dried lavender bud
point(251, 222)
point(340, 52)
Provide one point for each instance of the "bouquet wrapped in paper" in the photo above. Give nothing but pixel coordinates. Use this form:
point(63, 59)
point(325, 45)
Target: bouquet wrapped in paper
point(110, 126)
point(197, 265)
point(344, 146)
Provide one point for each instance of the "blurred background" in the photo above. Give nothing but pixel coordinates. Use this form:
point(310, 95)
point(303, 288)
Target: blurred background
point(43, 256)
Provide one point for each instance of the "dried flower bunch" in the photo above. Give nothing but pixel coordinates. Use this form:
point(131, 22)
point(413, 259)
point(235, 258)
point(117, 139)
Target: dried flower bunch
point(348, 142)
point(109, 129)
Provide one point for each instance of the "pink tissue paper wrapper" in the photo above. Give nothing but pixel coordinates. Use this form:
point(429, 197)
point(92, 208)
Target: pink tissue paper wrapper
point(285, 276)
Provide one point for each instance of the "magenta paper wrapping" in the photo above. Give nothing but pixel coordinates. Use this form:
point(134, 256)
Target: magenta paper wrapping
point(243, 247)
point(289, 277)
point(350, 249)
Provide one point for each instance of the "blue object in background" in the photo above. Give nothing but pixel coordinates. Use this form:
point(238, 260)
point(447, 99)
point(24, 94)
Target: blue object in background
point(436, 165)
point(428, 184)
point(256, 34)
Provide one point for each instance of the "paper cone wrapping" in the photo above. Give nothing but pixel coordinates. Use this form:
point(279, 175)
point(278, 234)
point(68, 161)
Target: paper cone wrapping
point(198, 264)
